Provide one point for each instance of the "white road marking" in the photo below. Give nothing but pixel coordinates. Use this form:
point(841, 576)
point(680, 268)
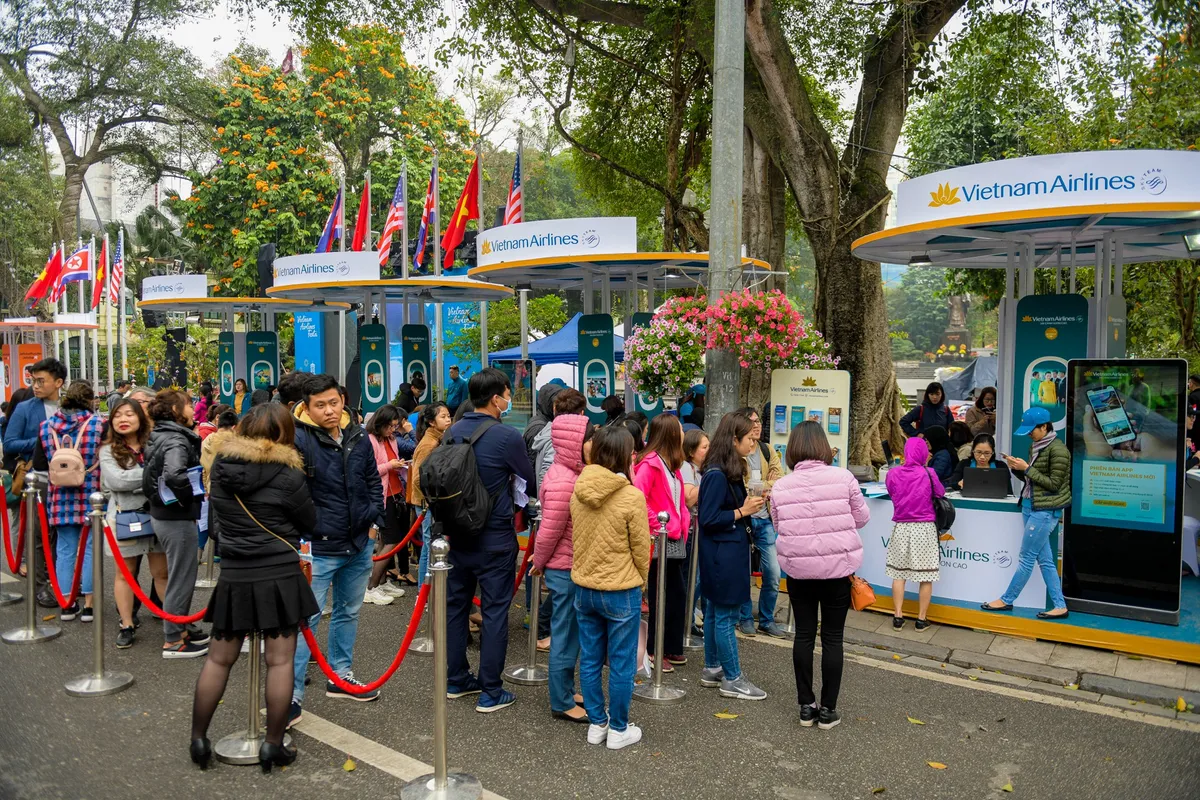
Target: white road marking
point(368, 751)
point(1007, 691)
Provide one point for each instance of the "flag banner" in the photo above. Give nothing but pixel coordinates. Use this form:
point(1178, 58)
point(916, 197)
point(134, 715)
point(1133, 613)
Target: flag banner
point(397, 215)
point(101, 271)
point(46, 279)
point(117, 278)
point(514, 207)
point(332, 229)
point(360, 222)
point(466, 209)
point(74, 269)
point(428, 222)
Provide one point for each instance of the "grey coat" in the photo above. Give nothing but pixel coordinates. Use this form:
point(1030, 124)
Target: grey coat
point(123, 486)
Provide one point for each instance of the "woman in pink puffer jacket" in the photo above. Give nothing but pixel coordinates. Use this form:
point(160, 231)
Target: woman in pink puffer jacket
point(817, 510)
point(552, 556)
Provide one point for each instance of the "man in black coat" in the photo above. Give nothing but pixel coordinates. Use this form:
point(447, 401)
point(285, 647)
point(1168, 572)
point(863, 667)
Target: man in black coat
point(345, 486)
point(409, 396)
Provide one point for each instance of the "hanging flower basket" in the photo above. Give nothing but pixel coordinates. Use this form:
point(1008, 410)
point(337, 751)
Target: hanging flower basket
point(665, 357)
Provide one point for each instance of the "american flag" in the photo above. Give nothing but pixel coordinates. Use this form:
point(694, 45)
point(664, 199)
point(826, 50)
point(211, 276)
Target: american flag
point(116, 278)
point(514, 209)
point(397, 216)
point(428, 220)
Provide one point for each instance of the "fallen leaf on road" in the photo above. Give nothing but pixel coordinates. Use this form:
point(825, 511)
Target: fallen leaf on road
point(972, 677)
point(895, 656)
point(725, 715)
point(879, 790)
point(1134, 658)
point(1006, 787)
point(349, 766)
point(48, 617)
point(1181, 704)
point(936, 764)
point(1071, 686)
point(915, 721)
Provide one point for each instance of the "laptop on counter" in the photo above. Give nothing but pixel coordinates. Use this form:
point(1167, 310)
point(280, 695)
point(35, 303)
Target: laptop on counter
point(986, 484)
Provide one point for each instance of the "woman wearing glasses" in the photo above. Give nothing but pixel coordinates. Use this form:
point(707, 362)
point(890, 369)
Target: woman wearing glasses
point(983, 456)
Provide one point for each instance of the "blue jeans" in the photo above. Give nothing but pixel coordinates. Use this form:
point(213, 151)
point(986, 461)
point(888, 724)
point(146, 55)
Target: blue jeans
point(423, 564)
point(720, 641)
point(609, 623)
point(768, 562)
point(66, 550)
point(564, 639)
point(1036, 549)
point(347, 576)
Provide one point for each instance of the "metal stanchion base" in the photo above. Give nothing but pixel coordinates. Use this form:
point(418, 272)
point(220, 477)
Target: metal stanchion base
point(659, 695)
point(422, 645)
point(459, 786)
point(96, 685)
point(39, 633)
point(693, 642)
point(526, 675)
point(9, 598)
point(206, 583)
point(241, 749)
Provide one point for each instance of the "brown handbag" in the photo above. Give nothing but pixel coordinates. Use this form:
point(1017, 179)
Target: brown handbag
point(861, 593)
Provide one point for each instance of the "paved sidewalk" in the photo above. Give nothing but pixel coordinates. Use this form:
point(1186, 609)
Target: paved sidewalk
point(1111, 678)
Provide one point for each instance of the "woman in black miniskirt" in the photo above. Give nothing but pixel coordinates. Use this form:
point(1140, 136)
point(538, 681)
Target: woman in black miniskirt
point(260, 494)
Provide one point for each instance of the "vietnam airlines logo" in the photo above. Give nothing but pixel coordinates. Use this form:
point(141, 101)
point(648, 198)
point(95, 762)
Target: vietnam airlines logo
point(487, 247)
point(810, 381)
point(944, 196)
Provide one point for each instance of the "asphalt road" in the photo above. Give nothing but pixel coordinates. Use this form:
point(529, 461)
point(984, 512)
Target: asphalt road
point(134, 744)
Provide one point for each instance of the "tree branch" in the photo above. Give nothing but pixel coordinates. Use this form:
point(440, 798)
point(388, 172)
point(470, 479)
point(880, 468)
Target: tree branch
point(605, 12)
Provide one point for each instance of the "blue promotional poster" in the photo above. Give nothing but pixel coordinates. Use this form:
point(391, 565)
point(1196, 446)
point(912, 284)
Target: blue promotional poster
point(415, 343)
point(262, 354)
point(226, 366)
point(1051, 330)
point(460, 338)
point(596, 362)
point(373, 361)
point(310, 354)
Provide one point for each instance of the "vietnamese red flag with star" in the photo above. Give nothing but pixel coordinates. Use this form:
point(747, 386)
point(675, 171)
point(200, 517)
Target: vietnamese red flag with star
point(46, 279)
point(467, 208)
point(101, 271)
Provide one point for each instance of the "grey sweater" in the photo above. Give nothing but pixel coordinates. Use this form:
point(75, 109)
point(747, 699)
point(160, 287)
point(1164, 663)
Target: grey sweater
point(123, 486)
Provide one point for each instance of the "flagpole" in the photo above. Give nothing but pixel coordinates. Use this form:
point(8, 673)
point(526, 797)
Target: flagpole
point(57, 339)
point(483, 348)
point(67, 334)
point(123, 331)
point(95, 333)
point(369, 238)
point(435, 229)
point(108, 317)
point(404, 234)
point(83, 365)
point(341, 356)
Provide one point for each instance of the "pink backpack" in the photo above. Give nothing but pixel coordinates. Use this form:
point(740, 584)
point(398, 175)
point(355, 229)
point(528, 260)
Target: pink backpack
point(67, 468)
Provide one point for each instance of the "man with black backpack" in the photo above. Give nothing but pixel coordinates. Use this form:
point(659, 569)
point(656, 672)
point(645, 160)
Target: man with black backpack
point(475, 512)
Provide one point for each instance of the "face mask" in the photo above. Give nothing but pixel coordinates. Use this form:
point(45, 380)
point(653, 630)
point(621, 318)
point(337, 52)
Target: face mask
point(507, 408)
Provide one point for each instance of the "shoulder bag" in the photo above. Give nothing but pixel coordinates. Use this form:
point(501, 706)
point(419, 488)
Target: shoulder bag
point(943, 509)
point(132, 525)
point(861, 593)
point(304, 552)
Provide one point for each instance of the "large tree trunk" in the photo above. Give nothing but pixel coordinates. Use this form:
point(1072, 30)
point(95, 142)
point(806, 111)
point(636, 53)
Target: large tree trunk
point(68, 207)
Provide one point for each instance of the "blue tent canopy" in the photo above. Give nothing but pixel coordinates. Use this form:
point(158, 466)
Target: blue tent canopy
point(558, 348)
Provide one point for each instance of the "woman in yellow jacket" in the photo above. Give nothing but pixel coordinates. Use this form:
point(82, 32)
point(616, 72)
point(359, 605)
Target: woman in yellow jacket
point(610, 564)
point(431, 425)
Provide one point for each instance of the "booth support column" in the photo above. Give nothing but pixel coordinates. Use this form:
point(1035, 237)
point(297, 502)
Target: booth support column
point(588, 291)
point(341, 354)
point(1004, 345)
point(627, 326)
point(605, 294)
point(524, 304)
point(483, 334)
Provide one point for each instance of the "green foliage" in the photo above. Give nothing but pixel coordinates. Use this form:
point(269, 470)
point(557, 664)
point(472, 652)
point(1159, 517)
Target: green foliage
point(546, 315)
point(27, 201)
point(917, 308)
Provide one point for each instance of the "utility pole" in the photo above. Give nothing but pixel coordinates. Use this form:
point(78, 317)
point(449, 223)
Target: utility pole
point(722, 376)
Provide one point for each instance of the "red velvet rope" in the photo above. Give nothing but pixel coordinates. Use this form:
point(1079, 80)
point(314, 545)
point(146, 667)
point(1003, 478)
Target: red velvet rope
point(525, 561)
point(137, 589)
point(414, 622)
point(14, 559)
point(411, 533)
point(63, 602)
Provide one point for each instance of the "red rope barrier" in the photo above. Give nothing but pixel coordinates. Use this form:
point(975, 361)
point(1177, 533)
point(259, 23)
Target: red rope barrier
point(137, 589)
point(63, 602)
point(414, 622)
point(411, 532)
point(525, 561)
point(14, 560)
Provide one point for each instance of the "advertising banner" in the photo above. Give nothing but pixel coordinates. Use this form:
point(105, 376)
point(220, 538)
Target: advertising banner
point(460, 339)
point(415, 343)
point(1116, 326)
point(642, 403)
point(596, 374)
point(1122, 547)
point(557, 237)
point(326, 268)
point(262, 354)
point(174, 287)
point(819, 395)
point(16, 373)
point(226, 366)
point(1051, 330)
point(373, 361)
point(310, 352)
point(520, 375)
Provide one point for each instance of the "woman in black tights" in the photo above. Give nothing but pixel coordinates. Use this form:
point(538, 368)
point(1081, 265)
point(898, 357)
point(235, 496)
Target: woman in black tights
point(260, 494)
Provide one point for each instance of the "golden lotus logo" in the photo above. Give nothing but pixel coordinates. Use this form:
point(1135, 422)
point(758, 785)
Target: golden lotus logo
point(262, 349)
point(372, 345)
point(944, 196)
point(1052, 333)
point(595, 342)
point(1026, 318)
point(809, 381)
point(487, 247)
point(946, 537)
point(415, 346)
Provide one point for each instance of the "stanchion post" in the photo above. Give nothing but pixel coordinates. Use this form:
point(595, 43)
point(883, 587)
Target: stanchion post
point(790, 627)
point(529, 673)
point(423, 645)
point(208, 581)
point(655, 692)
point(241, 748)
point(440, 784)
point(691, 642)
point(99, 681)
point(32, 631)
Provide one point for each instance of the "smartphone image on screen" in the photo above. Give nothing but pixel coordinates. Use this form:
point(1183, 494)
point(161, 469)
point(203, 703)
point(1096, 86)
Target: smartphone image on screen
point(1110, 415)
point(835, 421)
point(797, 415)
point(781, 420)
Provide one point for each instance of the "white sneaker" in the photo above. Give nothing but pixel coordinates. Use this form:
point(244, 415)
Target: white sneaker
point(378, 597)
point(597, 734)
point(391, 589)
point(631, 735)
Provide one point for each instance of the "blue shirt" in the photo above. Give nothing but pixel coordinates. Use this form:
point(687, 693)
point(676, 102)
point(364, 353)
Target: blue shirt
point(499, 454)
point(456, 392)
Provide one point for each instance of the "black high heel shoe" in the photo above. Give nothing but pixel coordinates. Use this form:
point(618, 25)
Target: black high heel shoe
point(201, 751)
point(270, 755)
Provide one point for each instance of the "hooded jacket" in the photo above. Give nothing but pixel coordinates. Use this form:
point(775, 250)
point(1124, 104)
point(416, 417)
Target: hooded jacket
point(817, 511)
point(909, 485)
point(609, 532)
point(650, 476)
point(68, 505)
point(343, 481)
point(552, 547)
point(170, 452)
point(268, 478)
point(543, 413)
point(543, 451)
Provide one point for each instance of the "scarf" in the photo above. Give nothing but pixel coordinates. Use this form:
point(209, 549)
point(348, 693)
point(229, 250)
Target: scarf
point(1038, 447)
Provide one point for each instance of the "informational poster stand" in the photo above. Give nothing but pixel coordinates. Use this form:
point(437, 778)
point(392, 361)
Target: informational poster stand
point(309, 331)
point(1051, 330)
point(415, 343)
point(226, 366)
point(373, 362)
point(1124, 528)
point(819, 395)
point(596, 371)
point(520, 374)
point(262, 354)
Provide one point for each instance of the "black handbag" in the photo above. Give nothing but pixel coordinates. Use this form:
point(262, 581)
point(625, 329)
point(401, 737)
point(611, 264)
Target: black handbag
point(943, 509)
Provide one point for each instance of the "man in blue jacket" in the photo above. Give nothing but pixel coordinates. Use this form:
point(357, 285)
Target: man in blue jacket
point(456, 390)
point(488, 559)
point(346, 490)
point(20, 440)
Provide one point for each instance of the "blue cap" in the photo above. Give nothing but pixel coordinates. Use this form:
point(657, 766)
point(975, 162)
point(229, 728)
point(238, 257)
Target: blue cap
point(558, 382)
point(1031, 419)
